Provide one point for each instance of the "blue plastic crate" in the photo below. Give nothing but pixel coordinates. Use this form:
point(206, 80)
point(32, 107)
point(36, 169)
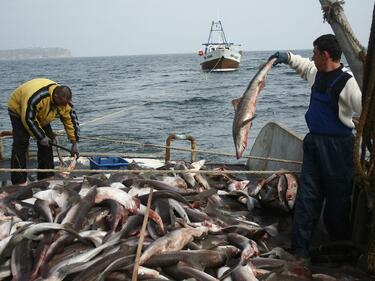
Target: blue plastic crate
point(107, 162)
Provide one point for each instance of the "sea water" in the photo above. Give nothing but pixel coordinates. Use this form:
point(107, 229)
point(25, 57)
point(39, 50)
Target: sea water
point(141, 99)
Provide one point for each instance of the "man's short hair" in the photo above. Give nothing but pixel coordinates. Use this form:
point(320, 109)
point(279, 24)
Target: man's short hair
point(329, 43)
point(64, 92)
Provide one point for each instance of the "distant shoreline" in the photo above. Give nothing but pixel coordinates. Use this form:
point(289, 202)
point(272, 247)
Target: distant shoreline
point(34, 53)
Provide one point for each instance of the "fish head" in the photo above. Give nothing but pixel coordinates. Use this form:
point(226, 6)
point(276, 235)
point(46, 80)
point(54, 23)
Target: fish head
point(247, 253)
point(234, 185)
point(240, 148)
point(291, 198)
point(241, 139)
point(240, 131)
point(282, 188)
point(291, 192)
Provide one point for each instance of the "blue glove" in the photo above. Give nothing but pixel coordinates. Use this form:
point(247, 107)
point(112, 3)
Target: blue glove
point(282, 57)
point(74, 150)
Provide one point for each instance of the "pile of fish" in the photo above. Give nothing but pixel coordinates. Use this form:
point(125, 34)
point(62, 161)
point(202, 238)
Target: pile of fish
point(200, 227)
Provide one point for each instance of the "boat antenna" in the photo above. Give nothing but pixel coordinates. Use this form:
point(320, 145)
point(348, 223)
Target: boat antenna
point(212, 28)
point(224, 38)
point(216, 28)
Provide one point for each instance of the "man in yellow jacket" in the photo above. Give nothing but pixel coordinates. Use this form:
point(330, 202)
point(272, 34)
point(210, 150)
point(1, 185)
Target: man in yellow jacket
point(32, 107)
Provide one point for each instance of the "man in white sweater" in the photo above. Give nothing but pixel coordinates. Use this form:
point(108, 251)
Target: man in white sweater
point(328, 167)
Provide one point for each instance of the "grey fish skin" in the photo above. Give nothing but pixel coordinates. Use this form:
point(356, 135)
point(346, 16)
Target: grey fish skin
point(196, 215)
point(244, 273)
point(172, 241)
point(195, 258)
point(42, 208)
point(133, 223)
point(30, 232)
point(184, 272)
point(188, 177)
point(157, 194)
point(39, 253)
point(82, 257)
point(159, 185)
point(22, 261)
point(98, 266)
point(245, 109)
point(175, 205)
point(7, 201)
point(249, 247)
point(74, 217)
point(98, 180)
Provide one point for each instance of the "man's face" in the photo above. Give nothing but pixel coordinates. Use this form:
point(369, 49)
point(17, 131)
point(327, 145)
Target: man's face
point(58, 100)
point(319, 59)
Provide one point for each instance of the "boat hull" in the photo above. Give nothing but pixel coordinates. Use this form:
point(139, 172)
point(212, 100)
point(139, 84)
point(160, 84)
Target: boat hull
point(221, 60)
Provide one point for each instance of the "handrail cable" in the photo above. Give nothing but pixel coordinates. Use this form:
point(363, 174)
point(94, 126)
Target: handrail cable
point(189, 150)
point(150, 171)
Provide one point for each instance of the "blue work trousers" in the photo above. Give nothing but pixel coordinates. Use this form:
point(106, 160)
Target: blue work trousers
point(327, 174)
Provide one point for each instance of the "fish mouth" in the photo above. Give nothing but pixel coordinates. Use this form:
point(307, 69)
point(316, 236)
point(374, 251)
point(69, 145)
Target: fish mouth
point(238, 155)
point(239, 151)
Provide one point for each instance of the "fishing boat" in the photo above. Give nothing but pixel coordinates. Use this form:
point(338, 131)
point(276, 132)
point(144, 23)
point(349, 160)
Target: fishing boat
point(218, 53)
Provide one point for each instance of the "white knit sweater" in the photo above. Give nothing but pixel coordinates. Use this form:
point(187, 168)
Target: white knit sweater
point(350, 98)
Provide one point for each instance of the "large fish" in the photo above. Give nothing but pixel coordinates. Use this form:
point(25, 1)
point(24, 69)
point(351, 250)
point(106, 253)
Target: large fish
point(245, 108)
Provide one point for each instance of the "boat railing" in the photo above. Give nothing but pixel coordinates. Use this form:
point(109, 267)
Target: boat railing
point(222, 43)
point(235, 168)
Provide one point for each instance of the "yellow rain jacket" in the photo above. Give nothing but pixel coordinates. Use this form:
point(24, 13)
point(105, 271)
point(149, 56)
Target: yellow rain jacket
point(32, 102)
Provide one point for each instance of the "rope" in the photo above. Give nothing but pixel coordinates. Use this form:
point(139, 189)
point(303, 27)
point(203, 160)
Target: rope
point(365, 139)
point(108, 115)
point(58, 151)
point(178, 149)
point(364, 153)
point(215, 65)
point(149, 171)
point(206, 73)
point(332, 12)
point(141, 237)
point(190, 150)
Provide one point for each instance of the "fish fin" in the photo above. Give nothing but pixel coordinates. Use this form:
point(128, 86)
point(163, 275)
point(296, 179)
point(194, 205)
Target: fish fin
point(236, 102)
point(229, 271)
point(262, 84)
point(195, 264)
point(249, 120)
point(207, 193)
point(272, 229)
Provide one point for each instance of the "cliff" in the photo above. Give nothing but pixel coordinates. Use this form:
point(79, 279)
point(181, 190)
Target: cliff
point(34, 53)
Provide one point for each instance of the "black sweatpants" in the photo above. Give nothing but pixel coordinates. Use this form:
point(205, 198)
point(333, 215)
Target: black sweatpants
point(327, 174)
point(20, 146)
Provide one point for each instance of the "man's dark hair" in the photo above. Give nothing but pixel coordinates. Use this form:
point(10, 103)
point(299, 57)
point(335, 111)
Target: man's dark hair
point(329, 43)
point(64, 92)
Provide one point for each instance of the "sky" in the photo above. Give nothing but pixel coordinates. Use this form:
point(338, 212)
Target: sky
point(136, 27)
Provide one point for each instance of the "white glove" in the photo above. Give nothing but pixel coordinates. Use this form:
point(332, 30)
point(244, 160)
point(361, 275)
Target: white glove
point(46, 141)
